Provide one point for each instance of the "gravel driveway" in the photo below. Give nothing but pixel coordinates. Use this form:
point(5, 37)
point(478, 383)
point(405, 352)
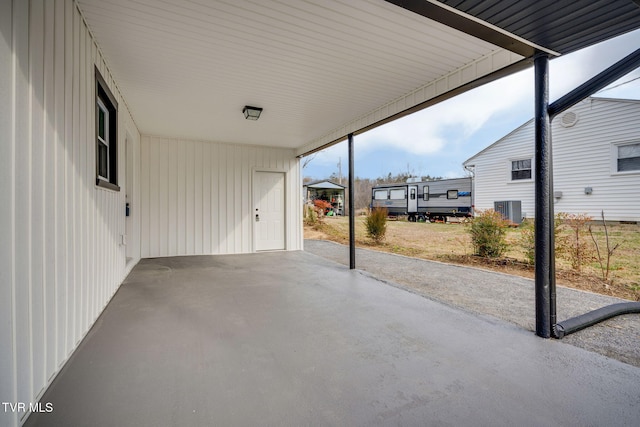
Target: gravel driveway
point(503, 296)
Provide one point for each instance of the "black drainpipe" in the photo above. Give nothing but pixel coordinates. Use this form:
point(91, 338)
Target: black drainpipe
point(577, 323)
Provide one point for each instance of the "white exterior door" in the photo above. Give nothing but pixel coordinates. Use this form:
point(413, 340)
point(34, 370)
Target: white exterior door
point(412, 199)
point(268, 215)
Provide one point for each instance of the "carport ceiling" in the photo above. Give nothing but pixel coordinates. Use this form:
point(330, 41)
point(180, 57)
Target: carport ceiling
point(322, 68)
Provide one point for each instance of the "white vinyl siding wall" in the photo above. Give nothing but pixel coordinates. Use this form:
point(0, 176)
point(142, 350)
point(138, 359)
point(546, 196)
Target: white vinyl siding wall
point(586, 150)
point(492, 175)
point(197, 196)
point(582, 157)
point(60, 257)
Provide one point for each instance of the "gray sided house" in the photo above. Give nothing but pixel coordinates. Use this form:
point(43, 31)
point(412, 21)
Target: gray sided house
point(596, 163)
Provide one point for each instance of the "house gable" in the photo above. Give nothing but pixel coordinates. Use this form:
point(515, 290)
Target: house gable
point(585, 181)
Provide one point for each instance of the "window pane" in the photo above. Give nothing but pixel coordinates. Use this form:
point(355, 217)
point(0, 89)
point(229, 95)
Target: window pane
point(103, 160)
point(626, 151)
point(629, 164)
point(397, 194)
point(101, 123)
point(425, 191)
point(521, 164)
point(523, 174)
point(452, 194)
point(380, 195)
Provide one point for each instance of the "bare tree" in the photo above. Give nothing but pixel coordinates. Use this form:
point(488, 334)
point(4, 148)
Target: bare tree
point(308, 159)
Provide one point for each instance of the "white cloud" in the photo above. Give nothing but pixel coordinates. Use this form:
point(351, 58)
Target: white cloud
point(429, 131)
point(568, 72)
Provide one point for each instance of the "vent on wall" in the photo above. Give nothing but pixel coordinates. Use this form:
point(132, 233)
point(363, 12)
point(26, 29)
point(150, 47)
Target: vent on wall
point(569, 119)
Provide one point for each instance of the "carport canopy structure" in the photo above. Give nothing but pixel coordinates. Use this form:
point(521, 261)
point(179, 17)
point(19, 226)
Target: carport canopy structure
point(321, 69)
point(324, 71)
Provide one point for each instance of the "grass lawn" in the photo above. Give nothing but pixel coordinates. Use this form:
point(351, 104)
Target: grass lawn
point(451, 243)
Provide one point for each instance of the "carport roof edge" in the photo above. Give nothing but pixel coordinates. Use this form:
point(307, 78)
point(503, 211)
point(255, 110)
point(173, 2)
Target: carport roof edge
point(320, 69)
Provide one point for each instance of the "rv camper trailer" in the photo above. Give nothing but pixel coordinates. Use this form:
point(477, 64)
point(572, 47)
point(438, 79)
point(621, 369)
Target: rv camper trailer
point(428, 200)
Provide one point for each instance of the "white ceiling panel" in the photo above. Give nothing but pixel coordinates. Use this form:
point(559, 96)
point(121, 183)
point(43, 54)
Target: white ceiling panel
point(319, 68)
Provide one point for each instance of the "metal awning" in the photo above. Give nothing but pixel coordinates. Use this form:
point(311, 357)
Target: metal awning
point(561, 26)
point(323, 69)
point(326, 185)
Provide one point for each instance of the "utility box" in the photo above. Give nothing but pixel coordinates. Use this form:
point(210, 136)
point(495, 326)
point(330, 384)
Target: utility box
point(510, 209)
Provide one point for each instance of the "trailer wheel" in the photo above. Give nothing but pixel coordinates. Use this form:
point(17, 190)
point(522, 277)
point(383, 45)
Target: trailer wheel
point(432, 218)
point(421, 218)
point(412, 218)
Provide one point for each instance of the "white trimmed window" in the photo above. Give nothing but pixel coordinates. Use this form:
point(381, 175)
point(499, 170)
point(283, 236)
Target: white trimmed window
point(106, 136)
point(627, 157)
point(520, 169)
point(102, 145)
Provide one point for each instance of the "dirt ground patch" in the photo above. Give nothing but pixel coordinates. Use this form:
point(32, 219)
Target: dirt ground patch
point(451, 243)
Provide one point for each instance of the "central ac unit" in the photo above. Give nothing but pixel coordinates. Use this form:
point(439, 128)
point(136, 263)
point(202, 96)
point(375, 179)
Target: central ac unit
point(510, 209)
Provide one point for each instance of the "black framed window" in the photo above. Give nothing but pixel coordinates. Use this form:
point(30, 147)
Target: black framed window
point(106, 136)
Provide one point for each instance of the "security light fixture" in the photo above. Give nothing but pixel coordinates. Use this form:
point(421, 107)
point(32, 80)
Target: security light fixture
point(251, 113)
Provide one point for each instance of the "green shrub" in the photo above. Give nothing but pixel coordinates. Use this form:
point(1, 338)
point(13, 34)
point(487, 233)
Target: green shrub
point(488, 230)
point(376, 224)
point(528, 238)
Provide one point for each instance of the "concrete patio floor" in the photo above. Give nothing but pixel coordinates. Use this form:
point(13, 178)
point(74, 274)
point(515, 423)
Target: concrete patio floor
point(289, 338)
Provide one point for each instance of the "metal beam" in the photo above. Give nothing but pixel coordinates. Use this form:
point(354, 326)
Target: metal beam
point(594, 84)
point(588, 88)
point(543, 197)
point(471, 25)
point(352, 214)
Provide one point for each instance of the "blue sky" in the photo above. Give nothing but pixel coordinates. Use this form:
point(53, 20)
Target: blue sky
point(437, 140)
